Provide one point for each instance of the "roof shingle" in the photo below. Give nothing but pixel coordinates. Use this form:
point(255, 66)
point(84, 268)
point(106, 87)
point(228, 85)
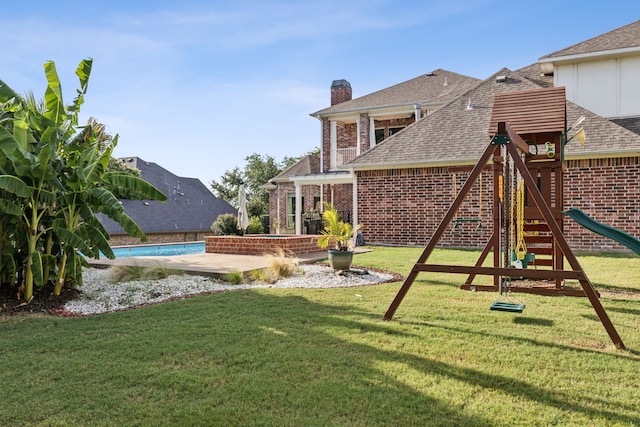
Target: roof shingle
point(627, 36)
point(190, 207)
point(428, 88)
point(456, 135)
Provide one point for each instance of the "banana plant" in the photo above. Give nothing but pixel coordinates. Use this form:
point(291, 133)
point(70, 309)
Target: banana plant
point(55, 173)
point(91, 188)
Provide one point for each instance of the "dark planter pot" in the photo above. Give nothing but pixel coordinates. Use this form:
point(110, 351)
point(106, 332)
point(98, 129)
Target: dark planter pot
point(340, 260)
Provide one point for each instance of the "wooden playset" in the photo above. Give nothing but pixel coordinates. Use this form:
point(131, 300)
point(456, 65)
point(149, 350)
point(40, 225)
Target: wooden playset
point(528, 132)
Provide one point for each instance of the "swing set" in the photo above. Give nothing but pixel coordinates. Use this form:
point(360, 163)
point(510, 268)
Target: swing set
point(527, 209)
point(458, 222)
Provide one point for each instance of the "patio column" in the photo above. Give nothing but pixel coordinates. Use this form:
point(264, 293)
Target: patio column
point(334, 144)
point(298, 214)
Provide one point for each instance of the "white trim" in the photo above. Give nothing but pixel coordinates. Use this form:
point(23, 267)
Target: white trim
point(322, 179)
point(321, 145)
point(590, 55)
point(298, 214)
point(372, 132)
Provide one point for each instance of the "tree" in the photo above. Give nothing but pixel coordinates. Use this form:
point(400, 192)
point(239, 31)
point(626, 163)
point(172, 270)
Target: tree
point(53, 179)
point(258, 170)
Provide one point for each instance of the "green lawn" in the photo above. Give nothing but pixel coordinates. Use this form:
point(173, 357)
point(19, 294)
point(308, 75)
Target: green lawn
point(303, 357)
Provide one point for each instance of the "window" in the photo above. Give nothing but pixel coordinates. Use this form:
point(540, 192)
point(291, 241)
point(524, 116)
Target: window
point(384, 133)
point(395, 130)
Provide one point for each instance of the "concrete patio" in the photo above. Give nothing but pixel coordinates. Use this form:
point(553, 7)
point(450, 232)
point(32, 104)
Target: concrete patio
point(205, 264)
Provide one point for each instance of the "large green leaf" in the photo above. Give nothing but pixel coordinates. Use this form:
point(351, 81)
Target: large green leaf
point(98, 239)
point(20, 159)
point(7, 207)
point(96, 167)
point(53, 95)
point(15, 185)
point(104, 200)
point(21, 128)
point(129, 226)
point(72, 240)
point(6, 93)
point(132, 187)
point(36, 268)
point(83, 72)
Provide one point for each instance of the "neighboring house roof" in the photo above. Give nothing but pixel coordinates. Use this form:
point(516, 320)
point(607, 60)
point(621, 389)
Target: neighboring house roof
point(190, 207)
point(622, 38)
point(457, 135)
point(534, 73)
point(427, 89)
point(308, 165)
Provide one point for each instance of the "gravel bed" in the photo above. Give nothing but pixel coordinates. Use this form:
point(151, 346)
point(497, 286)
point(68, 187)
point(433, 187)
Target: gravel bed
point(99, 295)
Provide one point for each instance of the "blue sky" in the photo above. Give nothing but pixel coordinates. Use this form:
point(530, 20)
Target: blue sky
point(197, 86)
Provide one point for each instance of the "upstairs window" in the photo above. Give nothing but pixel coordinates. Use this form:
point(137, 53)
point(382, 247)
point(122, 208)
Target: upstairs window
point(384, 133)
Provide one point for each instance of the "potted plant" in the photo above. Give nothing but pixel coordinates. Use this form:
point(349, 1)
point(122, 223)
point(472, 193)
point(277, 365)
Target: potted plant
point(338, 234)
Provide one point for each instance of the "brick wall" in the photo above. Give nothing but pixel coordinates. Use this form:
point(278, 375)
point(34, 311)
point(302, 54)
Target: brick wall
point(258, 245)
point(405, 206)
point(342, 196)
point(364, 133)
point(608, 190)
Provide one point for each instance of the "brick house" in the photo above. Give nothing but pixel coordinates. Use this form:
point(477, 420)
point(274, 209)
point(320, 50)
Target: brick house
point(351, 127)
point(399, 188)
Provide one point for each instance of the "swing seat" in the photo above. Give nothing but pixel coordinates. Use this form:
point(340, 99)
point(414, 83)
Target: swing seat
point(507, 306)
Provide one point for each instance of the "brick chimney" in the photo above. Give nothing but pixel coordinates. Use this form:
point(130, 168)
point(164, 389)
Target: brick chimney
point(340, 91)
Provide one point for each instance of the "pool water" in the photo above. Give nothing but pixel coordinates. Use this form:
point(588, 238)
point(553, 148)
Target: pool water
point(160, 250)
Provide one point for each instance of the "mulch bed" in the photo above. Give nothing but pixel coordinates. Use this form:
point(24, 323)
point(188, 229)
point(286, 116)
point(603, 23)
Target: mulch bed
point(43, 302)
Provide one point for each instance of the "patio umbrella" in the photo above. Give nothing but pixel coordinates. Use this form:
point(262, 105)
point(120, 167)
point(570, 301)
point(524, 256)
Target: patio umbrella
point(243, 216)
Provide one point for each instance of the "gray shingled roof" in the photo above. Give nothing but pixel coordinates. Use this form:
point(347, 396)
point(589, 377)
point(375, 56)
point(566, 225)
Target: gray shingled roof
point(308, 165)
point(455, 135)
point(534, 73)
point(426, 89)
point(190, 207)
point(627, 36)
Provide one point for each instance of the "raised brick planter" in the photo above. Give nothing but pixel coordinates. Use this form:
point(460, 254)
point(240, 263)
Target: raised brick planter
point(260, 244)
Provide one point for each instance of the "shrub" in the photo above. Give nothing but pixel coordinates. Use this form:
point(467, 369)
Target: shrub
point(235, 277)
point(128, 273)
point(281, 264)
point(255, 226)
point(226, 225)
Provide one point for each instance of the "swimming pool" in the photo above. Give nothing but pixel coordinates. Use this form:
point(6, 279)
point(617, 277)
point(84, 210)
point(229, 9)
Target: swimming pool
point(160, 250)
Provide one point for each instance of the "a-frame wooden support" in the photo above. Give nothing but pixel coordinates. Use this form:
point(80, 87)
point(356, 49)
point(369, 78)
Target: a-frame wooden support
point(512, 141)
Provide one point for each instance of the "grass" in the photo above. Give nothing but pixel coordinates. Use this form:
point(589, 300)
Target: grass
point(324, 357)
point(127, 273)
